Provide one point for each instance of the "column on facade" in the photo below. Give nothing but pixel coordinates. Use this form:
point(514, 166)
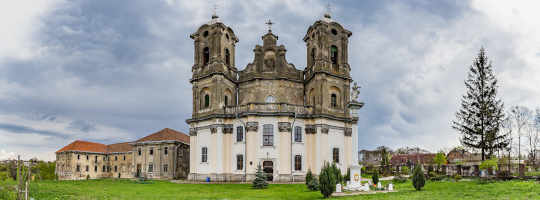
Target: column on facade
point(252, 129)
point(285, 151)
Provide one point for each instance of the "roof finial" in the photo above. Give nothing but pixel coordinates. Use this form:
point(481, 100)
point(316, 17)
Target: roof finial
point(328, 10)
point(214, 15)
point(269, 23)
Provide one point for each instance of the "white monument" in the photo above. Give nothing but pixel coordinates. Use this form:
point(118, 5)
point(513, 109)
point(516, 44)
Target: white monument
point(338, 187)
point(354, 183)
point(390, 187)
point(379, 186)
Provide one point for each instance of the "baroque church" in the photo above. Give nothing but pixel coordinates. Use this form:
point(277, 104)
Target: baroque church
point(271, 114)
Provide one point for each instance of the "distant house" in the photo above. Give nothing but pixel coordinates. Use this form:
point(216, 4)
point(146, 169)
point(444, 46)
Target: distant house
point(463, 162)
point(161, 155)
point(369, 157)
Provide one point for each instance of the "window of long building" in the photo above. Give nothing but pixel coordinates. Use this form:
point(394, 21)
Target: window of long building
point(150, 167)
point(268, 135)
point(334, 54)
point(333, 100)
point(115, 168)
point(165, 167)
point(151, 151)
point(206, 55)
point(78, 169)
point(166, 150)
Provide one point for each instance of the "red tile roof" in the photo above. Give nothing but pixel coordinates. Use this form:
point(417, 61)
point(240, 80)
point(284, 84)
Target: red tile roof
point(119, 147)
point(166, 134)
point(84, 146)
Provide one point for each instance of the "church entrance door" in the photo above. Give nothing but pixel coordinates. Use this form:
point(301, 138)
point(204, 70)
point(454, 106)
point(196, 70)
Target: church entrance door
point(268, 169)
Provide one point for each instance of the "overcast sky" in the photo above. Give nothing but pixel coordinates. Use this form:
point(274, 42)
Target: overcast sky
point(112, 71)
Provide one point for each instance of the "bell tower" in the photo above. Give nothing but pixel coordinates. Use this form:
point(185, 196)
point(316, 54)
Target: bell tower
point(327, 73)
point(214, 72)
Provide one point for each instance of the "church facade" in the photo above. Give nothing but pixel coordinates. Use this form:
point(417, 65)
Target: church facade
point(270, 113)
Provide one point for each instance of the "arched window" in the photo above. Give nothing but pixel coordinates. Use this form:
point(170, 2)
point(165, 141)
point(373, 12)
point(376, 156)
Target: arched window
point(226, 101)
point(335, 155)
point(204, 154)
point(206, 101)
point(313, 52)
point(333, 100)
point(206, 55)
point(227, 57)
point(334, 54)
point(270, 99)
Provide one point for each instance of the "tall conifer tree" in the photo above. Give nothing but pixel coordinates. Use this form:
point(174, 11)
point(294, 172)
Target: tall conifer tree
point(480, 117)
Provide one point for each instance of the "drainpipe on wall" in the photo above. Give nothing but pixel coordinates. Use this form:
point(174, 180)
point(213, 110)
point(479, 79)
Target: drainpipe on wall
point(292, 154)
point(244, 132)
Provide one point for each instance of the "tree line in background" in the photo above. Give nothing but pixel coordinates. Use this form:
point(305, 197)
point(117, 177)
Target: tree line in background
point(41, 170)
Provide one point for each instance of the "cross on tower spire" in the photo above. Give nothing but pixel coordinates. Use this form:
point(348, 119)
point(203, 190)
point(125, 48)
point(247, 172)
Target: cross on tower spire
point(214, 15)
point(269, 23)
point(328, 10)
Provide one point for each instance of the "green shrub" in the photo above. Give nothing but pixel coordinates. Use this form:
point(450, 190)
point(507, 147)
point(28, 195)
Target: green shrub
point(489, 164)
point(405, 170)
point(337, 173)
point(313, 184)
point(375, 178)
point(309, 176)
point(327, 180)
point(418, 179)
point(457, 177)
point(260, 179)
point(399, 179)
point(432, 174)
point(348, 175)
point(436, 178)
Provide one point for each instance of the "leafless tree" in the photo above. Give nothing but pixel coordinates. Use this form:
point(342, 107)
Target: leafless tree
point(521, 117)
point(533, 137)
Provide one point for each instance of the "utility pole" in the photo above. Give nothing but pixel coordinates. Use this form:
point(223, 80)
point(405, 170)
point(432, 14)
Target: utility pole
point(19, 180)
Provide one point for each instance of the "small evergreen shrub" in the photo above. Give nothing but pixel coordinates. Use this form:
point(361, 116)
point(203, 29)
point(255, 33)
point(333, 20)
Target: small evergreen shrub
point(309, 176)
point(313, 184)
point(375, 178)
point(418, 179)
point(348, 175)
point(327, 180)
point(87, 177)
point(260, 179)
point(337, 173)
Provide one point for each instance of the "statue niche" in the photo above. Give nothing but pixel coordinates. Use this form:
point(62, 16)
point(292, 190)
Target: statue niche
point(269, 61)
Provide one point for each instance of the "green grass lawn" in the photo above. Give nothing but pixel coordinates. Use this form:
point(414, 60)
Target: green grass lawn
point(127, 189)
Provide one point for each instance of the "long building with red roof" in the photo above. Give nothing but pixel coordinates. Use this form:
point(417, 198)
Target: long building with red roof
point(160, 155)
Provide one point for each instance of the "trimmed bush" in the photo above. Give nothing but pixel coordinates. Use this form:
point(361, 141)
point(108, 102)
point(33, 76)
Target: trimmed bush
point(405, 170)
point(375, 178)
point(418, 179)
point(327, 180)
point(399, 179)
point(260, 179)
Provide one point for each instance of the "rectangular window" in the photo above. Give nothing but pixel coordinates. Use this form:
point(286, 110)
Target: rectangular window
point(96, 159)
point(95, 168)
point(166, 150)
point(151, 150)
point(139, 151)
point(335, 155)
point(240, 134)
point(78, 168)
point(165, 167)
point(298, 163)
point(268, 135)
point(239, 162)
point(104, 169)
point(78, 157)
point(124, 157)
point(115, 157)
point(104, 158)
point(115, 168)
point(204, 154)
point(298, 134)
point(87, 169)
point(150, 167)
point(87, 157)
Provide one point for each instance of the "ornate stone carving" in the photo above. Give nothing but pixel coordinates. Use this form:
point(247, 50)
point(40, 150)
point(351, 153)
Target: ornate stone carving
point(348, 131)
point(227, 129)
point(193, 132)
point(213, 129)
point(325, 129)
point(252, 126)
point(355, 92)
point(284, 126)
point(311, 129)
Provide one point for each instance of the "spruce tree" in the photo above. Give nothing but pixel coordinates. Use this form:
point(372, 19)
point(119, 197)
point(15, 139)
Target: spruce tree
point(418, 179)
point(260, 179)
point(480, 117)
point(327, 180)
point(309, 176)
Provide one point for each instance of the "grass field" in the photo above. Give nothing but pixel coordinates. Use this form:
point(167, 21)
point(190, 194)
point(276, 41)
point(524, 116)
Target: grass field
point(127, 189)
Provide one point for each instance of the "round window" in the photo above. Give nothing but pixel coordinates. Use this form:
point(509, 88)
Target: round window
point(334, 31)
point(205, 33)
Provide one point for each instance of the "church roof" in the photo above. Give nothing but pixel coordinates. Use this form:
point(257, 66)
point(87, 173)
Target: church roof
point(119, 147)
point(166, 134)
